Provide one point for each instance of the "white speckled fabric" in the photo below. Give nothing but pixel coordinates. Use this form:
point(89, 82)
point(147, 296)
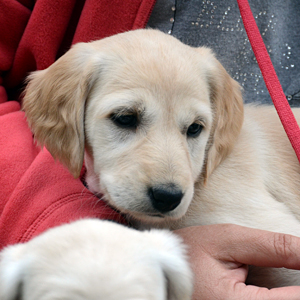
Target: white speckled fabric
point(218, 25)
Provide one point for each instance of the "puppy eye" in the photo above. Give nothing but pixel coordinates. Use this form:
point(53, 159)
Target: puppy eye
point(125, 121)
point(194, 130)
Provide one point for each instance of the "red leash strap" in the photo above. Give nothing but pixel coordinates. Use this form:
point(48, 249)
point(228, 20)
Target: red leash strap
point(271, 80)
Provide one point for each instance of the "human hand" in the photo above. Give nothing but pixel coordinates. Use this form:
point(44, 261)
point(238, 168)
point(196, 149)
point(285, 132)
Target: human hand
point(219, 255)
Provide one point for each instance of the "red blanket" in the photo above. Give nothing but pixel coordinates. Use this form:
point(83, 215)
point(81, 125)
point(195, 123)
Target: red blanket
point(35, 191)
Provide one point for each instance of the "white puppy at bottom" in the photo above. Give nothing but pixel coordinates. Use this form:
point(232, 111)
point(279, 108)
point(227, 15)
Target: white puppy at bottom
point(93, 259)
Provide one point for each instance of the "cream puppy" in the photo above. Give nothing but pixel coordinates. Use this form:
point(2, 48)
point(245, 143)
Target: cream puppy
point(92, 260)
point(166, 138)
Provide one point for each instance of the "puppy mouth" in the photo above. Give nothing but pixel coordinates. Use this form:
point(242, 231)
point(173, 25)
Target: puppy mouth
point(149, 213)
point(140, 214)
point(146, 219)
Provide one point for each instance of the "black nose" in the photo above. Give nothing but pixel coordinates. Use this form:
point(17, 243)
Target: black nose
point(165, 198)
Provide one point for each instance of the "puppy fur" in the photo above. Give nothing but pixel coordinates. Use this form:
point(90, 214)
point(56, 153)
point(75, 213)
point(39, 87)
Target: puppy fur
point(240, 169)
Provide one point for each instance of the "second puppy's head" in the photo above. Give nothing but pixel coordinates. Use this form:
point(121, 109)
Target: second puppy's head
point(150, 115)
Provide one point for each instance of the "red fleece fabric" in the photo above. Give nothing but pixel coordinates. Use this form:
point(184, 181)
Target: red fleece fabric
point(36, 192)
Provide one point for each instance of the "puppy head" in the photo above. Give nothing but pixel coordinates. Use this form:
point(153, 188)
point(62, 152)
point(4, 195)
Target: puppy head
point(152, 115)
point(92, 259)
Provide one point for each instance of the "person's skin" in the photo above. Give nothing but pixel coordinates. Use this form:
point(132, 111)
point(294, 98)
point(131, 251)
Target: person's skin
point(219, 255)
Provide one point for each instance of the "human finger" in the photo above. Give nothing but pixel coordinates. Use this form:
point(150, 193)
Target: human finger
point(228, 242)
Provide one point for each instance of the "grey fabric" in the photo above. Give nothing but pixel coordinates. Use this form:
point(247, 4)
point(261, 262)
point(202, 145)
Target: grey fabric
point(218, 25)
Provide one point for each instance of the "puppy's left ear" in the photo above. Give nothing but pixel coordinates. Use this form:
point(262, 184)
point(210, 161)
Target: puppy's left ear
point(175, 266)
point(54, 104)
point(12, 269)
point(228, 113)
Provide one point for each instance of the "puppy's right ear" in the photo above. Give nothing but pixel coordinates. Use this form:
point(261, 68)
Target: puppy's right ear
point(228, 112)
point(11, 273)
point(54, 104)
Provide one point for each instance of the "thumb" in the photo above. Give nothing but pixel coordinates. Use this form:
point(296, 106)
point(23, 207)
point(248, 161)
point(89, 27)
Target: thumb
point(234, 243)
point(258, 247)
